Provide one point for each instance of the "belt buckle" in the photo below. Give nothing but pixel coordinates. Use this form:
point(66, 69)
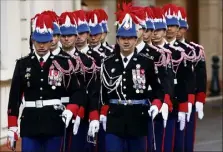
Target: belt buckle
point(119, 101)
point(129, 102)
point(39, 103)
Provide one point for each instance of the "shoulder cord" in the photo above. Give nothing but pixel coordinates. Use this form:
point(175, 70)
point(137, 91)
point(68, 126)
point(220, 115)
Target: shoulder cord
point(110, 87)
point(68, 72)
point(201, 54)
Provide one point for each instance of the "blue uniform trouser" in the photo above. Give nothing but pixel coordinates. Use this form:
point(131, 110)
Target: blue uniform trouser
point(190, 132)
point(116, 143)
point(78, 142)
point(101, 139)
point(169, 136)
point(43, 144)
point(159, 133)
point(179, 138)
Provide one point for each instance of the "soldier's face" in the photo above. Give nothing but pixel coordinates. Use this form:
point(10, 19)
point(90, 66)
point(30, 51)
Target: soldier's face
point(172, 31)
point(147, 35)
point(94, 40)
point(158, 35)
point(181, 33)
point(42, 48)
point(140, 33)
point(127, 44)
point(68, 41)
point(55, 41)
point(81, 39)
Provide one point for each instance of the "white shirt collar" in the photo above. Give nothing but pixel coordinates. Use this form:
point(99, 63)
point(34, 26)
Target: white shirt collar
point(164, 42)
point(45, 57)
point(56, 51)
point(97, 47)
point(128, 57)
point(84, 50)
point(183, 40)
point(172, 42)
point(72, 51)
point(140, 46)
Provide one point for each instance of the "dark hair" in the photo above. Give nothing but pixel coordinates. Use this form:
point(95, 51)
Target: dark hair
point(83, 4)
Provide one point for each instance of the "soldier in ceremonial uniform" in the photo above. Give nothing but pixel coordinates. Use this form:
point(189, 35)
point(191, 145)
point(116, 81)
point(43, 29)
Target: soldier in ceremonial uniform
point(200, 79)
point(105, 46)
point(162, 61)
point(147, 35)
point(95, 23)
point(55, 48)
point(126, 76)
point(179, 75)
point(78, 138)
point(42, 77)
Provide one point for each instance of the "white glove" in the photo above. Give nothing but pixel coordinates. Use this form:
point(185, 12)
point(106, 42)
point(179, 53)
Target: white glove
point(199, 109)
point(165, 111)
point(182, 120)
point(66, 117)
point(103, 120)
point(93, 128)
point(76, 122)
point(13, 136)
point(189, 111)
point(153, 111)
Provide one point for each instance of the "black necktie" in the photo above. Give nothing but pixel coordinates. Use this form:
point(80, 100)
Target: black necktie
point(41, 62)
point(125, 59)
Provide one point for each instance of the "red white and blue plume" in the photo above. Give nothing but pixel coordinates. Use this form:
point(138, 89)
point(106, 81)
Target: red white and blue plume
point(82, 24)
point(149, 18)
point(170, 12)
point(43, 28)
point(104, 20)
point(159, 19)
point(182, 16)
point(94, 22)
point(128, 20)
point(55, 18)
point(68, 23)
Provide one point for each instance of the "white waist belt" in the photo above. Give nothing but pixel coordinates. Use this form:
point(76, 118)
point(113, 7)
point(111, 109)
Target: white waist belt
point(42, 103)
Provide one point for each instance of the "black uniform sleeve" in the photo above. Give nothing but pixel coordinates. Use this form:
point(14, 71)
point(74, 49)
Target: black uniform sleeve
point(15, 96)
point(93, 89)
point(78, 93)
point(104, 102)
point(201, 79)
point(157, 89)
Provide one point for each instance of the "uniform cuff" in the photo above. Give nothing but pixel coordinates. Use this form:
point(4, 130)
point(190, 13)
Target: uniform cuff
point(94, 115)
point(183, 107)
point(191, 98)
point(157, 102)
point(200, 97)
point(104, 110)
point(168, 102)
point(12, 121)
point(73, 108)
point(81, 112)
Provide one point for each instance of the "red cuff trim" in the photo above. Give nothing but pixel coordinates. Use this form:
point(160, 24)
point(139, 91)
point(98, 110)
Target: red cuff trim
point(168, 102)
point(81, 112)
point(73, 108)
point(94, 115)
point(104, 110)
point(12, 121)
point(157, 102)
point(191, 98)
point(183, 107)
point(200, 97)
